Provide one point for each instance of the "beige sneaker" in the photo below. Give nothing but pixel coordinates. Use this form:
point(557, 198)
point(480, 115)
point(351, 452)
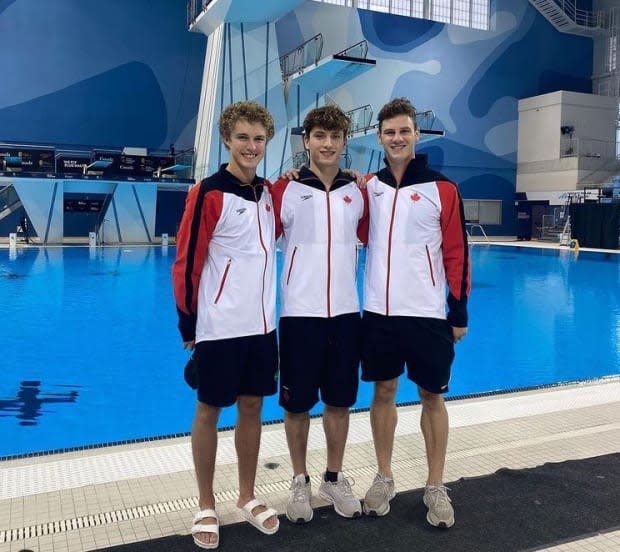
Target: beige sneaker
point(440, 511)
point(378, 496)
point(341, 496)
point(298, 507)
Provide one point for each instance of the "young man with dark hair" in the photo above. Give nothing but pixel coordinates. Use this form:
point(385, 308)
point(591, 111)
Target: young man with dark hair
point(224, 287)
point(417, 264)
point(319, 214)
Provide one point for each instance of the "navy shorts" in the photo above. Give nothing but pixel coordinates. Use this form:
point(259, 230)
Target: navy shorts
point(319, 355)
point(228, 368)
point(425, 345)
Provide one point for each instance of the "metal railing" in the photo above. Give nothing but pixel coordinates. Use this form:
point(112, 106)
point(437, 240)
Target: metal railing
point(587, 147)
point(483, 211)
point(584, 18)
point(300, 159)
point(304, 55)
point(8, 197)
point(194, 9)
point(361, 118)
point(359, 50)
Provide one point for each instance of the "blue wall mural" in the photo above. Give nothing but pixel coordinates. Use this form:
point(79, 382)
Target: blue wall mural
point(94, 73)
point(130, 75)
point(471, 79)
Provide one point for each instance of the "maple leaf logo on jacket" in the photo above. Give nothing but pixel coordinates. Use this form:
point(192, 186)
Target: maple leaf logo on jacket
point(416, 196)
point(268, 207)
point(347, 199)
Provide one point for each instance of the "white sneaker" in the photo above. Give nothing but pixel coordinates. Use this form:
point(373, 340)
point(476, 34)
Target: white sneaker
point(440, 511)
point(378, 496)
point(341, 496)
point(298, 507)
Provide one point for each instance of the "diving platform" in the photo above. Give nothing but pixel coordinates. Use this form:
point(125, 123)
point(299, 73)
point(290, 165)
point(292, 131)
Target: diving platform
point(330, 73)
point(363, 133)
point(308, 75)
point(204, 16)
point(367, 138)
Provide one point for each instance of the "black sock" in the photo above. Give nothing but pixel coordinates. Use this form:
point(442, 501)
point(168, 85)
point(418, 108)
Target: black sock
point(331, 477)
point(307, 478)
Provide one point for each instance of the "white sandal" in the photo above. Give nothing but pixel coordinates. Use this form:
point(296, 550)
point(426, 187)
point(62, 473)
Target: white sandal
point(213, 528)
point(258, 519)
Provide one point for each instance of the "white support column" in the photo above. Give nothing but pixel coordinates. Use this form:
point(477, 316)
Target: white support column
point(208, 111)
point(243, 62)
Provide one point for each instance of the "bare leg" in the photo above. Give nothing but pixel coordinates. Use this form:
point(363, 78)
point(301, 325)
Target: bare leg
point(383, 419)
point(336, 427)
point(247, 444)
point(297, 426)
point(204, 449)
point(434, 423)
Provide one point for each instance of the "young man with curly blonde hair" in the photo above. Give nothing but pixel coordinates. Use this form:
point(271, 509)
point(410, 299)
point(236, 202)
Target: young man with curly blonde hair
point(224, 286)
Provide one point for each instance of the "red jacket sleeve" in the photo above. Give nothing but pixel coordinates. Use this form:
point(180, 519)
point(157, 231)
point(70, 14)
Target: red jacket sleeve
point(277, 191)
point(202, 211)
point(455, 253)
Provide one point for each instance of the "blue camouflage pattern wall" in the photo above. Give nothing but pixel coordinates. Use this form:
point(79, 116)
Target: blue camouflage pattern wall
point(472, 79)
point(112, 73)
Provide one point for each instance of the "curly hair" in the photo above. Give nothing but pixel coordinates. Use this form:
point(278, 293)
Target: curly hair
point(328, 117)
point(396, 107)
point(249, 111)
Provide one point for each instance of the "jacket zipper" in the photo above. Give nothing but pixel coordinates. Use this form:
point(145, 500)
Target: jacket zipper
point(329, 255)
point(389, 259)
point(262, 243)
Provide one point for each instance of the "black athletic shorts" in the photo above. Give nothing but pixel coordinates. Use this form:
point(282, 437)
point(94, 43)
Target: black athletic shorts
point(319, 355)
point(228, 368)
point(425, 345)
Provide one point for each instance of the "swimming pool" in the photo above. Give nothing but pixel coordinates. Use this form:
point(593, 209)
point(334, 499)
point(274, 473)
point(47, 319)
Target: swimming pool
point(90, 352)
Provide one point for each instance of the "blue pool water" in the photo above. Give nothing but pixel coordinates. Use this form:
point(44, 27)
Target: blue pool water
point(90, 353)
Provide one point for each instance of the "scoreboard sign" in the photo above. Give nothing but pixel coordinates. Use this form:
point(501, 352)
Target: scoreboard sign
point(28, 160)
point(133, 166)
point(69, 166)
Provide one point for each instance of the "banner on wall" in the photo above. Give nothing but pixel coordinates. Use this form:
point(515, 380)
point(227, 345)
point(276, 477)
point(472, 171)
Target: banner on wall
point(27, 160)
point(128, 167)
point(71, 166)
point(83, 205)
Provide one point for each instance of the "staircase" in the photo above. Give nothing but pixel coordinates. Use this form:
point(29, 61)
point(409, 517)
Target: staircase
point(9, 201)
point(567, 18)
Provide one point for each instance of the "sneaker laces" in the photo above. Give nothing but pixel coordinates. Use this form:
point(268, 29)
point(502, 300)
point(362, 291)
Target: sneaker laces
point(299, 491)
point(344, 486)
point(438, 494)
point(381, 486)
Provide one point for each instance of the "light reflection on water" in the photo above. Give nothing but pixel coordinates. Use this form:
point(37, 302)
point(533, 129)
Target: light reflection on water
point(97, 329)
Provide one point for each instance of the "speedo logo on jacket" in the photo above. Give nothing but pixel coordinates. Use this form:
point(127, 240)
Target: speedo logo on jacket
point(319, 232)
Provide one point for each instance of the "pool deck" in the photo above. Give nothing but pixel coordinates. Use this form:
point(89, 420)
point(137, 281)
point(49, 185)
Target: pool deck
point(95, 498)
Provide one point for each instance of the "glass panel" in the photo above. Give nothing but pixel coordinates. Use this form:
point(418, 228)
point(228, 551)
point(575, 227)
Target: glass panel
point(480, 14)
point(461, 11)
point(467, 13)
point(490, 212)
point(440, 10)
point(379, 5)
